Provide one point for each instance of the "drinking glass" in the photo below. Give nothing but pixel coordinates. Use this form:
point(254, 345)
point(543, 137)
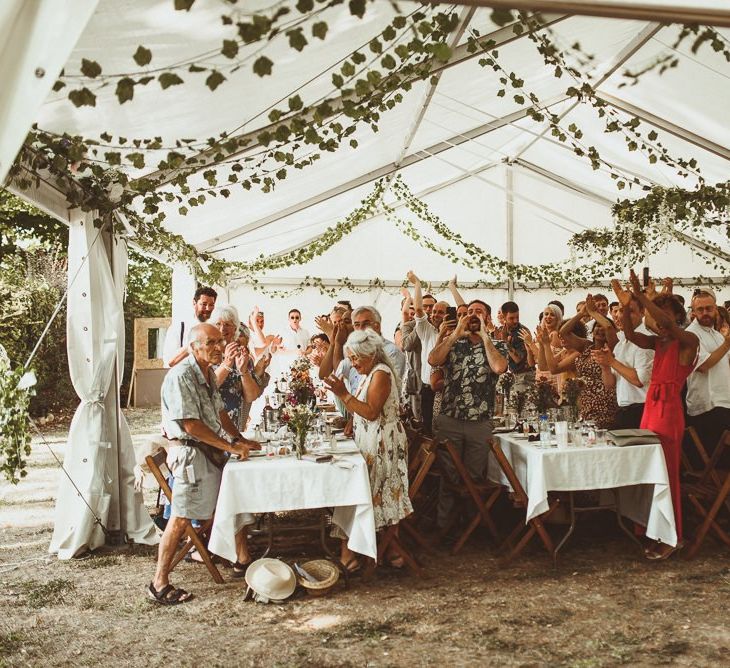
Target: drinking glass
point(576, 436)
point(601, 437)
point(561, 433)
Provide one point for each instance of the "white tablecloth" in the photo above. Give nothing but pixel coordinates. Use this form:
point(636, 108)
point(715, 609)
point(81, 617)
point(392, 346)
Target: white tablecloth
point(261, 485)
point(639, 472)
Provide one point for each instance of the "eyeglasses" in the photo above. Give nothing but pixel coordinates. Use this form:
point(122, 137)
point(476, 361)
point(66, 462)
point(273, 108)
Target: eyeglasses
point(362, 324)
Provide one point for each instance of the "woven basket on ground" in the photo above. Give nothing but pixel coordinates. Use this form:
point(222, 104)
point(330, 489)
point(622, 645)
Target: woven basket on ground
point(326, 574)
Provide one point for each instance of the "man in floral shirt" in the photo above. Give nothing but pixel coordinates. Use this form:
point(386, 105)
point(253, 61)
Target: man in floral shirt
point(472, 362)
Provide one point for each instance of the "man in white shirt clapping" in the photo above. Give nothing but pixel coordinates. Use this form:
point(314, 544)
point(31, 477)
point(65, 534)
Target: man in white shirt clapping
point(708, 387)
point(628, 369)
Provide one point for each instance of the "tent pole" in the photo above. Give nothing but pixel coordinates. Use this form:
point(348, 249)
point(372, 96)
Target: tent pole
point(116, 530)
point(691, 12)
point(509, 208)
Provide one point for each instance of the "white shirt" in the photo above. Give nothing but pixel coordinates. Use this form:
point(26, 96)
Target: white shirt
point(295, 340)
point(177, 336)
point(352, 378)
point(709, 390)
point(428, 335)
point(642, 360)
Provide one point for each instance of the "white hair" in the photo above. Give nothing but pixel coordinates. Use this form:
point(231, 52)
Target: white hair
point(368, 343)
point(226, 314)
point(371, 309)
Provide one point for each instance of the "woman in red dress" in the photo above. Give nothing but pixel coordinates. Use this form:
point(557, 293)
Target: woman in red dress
point(674, 359)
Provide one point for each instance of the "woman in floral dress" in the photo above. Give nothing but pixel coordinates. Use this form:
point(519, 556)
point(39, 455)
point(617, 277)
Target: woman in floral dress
point(378, 433)
point(597, 402)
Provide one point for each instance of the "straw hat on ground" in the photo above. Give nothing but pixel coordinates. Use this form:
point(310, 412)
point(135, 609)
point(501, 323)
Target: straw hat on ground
point(271, 580)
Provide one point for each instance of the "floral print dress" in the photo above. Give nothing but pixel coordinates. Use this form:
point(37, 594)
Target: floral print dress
point(384, 447)
point(597, 402)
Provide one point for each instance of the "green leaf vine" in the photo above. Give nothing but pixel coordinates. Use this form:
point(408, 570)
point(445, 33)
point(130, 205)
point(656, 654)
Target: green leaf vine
point(14, 425)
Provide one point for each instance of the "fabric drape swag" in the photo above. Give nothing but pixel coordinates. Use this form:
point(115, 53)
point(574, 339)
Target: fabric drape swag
point(95, 341)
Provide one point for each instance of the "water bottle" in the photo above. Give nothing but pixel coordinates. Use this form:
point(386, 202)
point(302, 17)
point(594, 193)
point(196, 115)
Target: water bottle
point(544, 427)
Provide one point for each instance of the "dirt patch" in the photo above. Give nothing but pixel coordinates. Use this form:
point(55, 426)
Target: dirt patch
point(602, 606)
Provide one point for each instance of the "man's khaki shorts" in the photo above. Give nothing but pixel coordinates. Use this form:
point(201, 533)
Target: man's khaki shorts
point(197, 481)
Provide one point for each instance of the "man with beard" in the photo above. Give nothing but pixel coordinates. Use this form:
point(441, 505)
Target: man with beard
point(425, 332)
point(178, 335)
point(472, 363)
point(517, 359)
point(708, 387)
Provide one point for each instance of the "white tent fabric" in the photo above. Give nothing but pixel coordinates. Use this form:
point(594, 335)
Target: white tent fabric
point(30, 61)
point(456, 153)
point(94, 323)
point(490, 172)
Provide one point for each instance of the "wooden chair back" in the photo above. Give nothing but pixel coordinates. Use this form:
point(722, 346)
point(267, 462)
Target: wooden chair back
point(194, 537)
point(708, 495)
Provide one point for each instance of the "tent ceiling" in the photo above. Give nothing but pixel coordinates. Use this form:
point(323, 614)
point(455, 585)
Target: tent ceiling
point(448, 141)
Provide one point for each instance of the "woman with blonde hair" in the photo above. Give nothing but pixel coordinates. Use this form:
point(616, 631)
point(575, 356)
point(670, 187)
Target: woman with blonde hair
point(378, 433)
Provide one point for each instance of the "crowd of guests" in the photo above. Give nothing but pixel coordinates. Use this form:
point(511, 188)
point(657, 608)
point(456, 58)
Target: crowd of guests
point(644, 359)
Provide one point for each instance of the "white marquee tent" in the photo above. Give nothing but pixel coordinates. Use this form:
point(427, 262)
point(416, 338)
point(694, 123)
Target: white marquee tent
point(482, 165)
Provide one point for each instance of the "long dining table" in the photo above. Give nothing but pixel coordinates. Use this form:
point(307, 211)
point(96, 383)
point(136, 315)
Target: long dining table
point(264, 484)
point(632, 478)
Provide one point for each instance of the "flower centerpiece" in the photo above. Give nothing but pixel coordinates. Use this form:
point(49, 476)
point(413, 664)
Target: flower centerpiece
point(543, 396)
point(299, 419)
point(298, 412)
point(570, 396)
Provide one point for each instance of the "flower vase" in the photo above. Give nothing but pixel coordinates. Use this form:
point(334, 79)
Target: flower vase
point(300, 442)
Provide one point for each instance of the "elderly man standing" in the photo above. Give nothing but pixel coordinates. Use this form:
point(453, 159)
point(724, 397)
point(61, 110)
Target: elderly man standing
point(363, 317)
point(195, 421)
point(472, 362)
point(708, 387)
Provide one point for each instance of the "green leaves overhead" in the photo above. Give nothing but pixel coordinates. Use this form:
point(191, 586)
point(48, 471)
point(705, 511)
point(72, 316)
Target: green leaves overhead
point(214, 80)
point(82, 97)
point(319, 30)
point(230, 48)
point(263, 66)
point(142, 56)
point(168, 79)
point(297, 40)
point(125, 90)
point(90, 68)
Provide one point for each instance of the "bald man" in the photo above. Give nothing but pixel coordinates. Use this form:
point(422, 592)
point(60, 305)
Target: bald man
point(200, 433)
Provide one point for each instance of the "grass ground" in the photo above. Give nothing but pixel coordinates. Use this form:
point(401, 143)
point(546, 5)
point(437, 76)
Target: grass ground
point(603, 606)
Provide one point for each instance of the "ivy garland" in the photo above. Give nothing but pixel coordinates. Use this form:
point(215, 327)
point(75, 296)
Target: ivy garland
point(14, 433)
point(364, 91)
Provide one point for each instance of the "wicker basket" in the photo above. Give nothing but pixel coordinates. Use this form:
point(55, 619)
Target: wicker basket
point(326, 574)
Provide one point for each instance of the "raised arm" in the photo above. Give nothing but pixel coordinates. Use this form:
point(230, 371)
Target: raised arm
point(554, 366)
point(572, 340)
point(458, 299)
point(440, 351)
point(417, 294)
point(624, 298)
point(718, 353)
point(496, 361)
point(685, 338)
point(378, 392)
point(608, 327)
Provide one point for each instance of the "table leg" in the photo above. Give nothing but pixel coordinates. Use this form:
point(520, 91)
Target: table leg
point(323, 541)
point(570, 530)
point(620, 520)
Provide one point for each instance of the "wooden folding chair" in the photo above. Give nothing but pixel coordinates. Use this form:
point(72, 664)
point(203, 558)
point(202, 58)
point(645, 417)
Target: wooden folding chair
point(708, 495)
point(522, 533)
point(194, 537)
point(421, 458)
point(688, 469)
point(483, 495)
